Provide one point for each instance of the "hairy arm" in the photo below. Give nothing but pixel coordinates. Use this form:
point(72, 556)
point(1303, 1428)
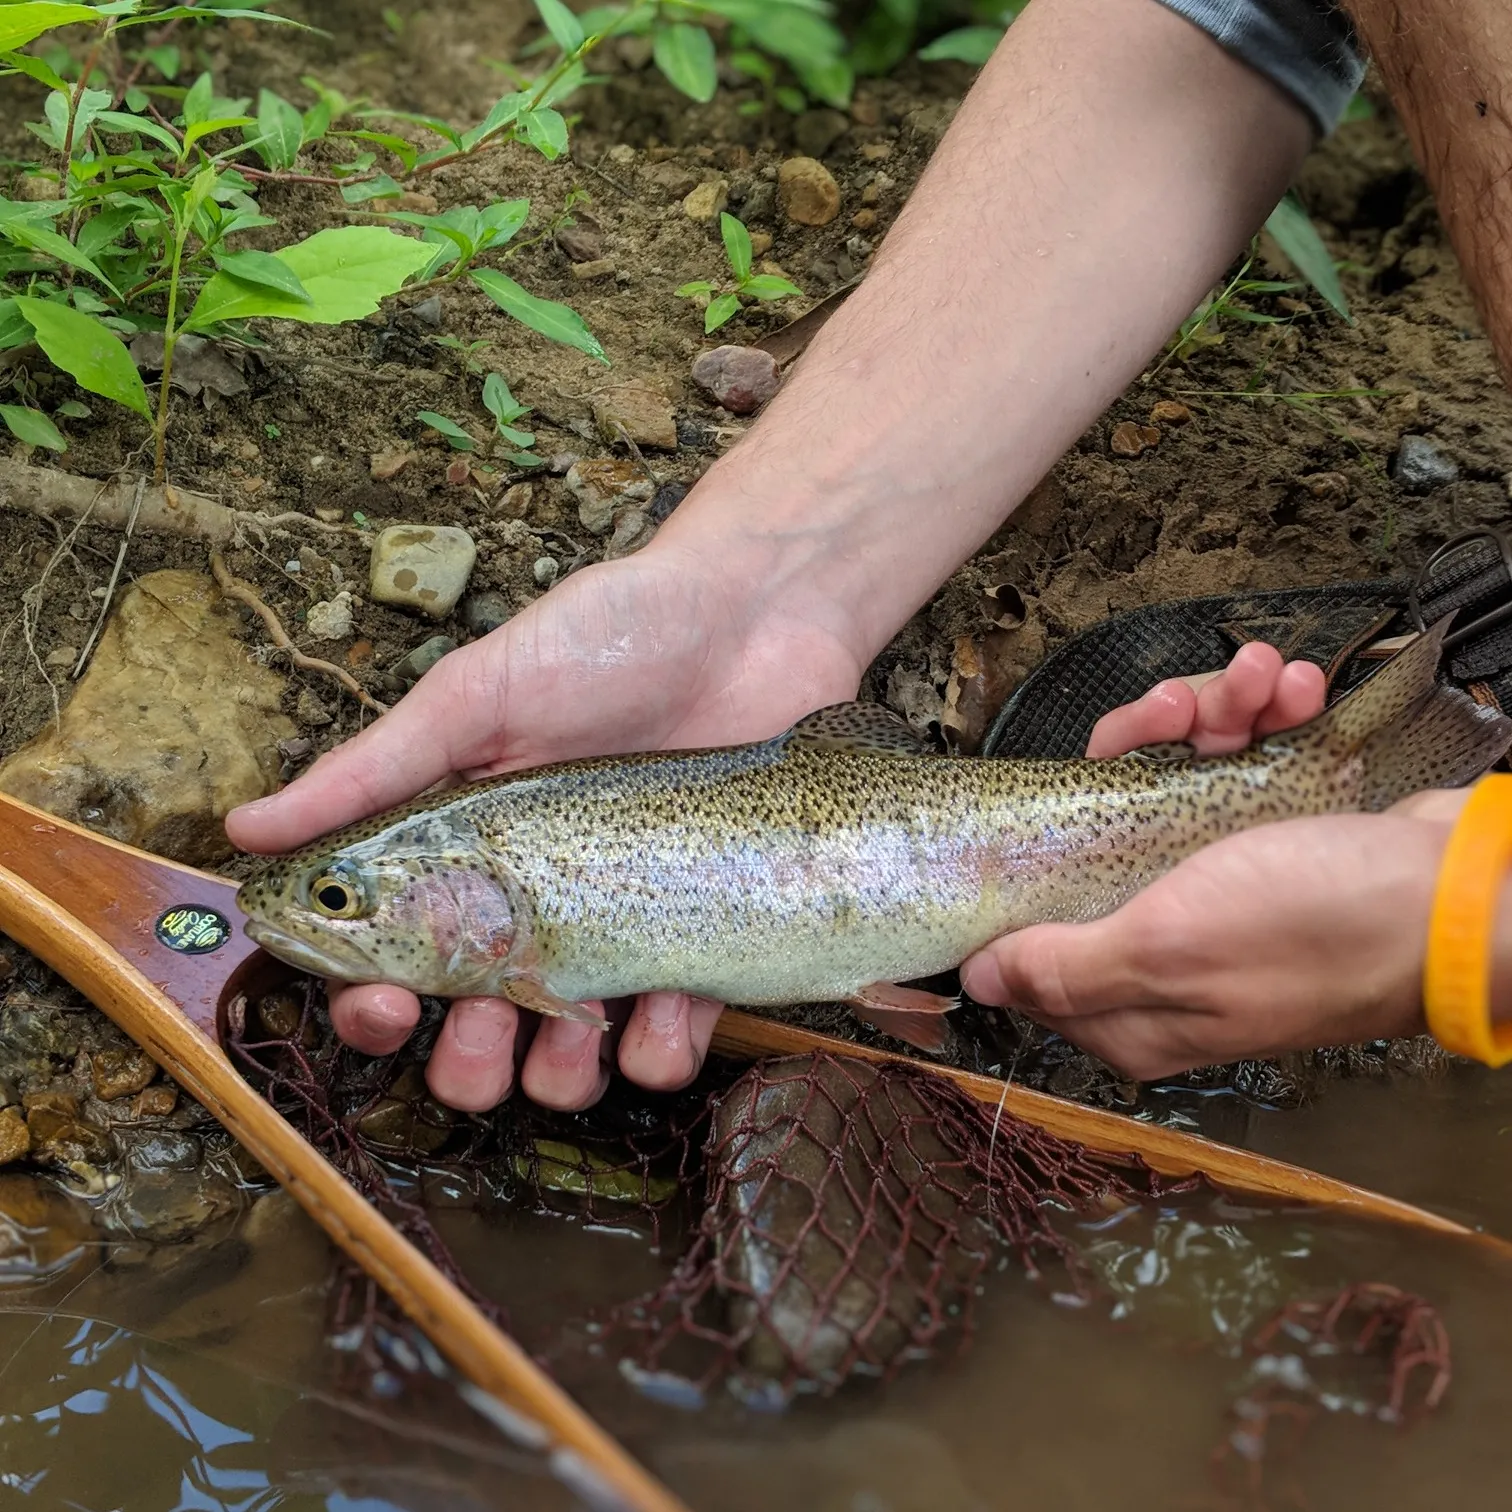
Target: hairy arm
point(1448, 66)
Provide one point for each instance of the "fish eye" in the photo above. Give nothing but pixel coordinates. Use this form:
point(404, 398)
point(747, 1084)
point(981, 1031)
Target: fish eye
point(335, 897)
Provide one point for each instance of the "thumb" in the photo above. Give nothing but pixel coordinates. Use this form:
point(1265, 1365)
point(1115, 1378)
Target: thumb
point(1057, 971)
point(429, 734)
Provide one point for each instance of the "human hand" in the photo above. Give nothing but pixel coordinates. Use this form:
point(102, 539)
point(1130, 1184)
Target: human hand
point(1294, 935)
point(653, 651)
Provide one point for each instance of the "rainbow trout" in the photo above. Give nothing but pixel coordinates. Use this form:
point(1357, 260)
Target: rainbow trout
point(827, 864)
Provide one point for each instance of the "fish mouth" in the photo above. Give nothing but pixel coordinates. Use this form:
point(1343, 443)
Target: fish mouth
point(299, 953)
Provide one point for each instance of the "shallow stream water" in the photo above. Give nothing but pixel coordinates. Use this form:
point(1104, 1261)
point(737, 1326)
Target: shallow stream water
point(195, 1376)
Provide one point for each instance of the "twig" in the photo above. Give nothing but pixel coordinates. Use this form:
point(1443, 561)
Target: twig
point(115, 577)
point(233, 587)
point(635, 452)
point(609, 179)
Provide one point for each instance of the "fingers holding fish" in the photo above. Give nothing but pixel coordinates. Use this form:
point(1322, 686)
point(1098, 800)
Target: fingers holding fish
point(373, 1019)
point(472, 1066)
point(666, 1039)
point(567, 1066)
point(1257, 694)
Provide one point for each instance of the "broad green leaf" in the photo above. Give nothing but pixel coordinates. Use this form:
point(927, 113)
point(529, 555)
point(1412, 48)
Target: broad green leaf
point(92, 104)
point(100, 232)
point(23, 23)
point(167, 59)
point(1298, 238)
point(555, 321)
point(203, 12)
point(197, 100)
point(967, 44)
point(719, 311)
point(504, 111)
point(459, 438)
point(768, 286)
point(565, 28)
point(265, 269)
point(499, 402)
point(87, 351)
point(280, 130)
point(346, 271)
point(792, 100)
point(698, 286)
point(15, 329)
point(685, 54)
point(34, 68)
point(546, 131)
point(118, 120)
point(571, 80)
point(40, 239)
point(753, 65)
point(405, 151)
point(32, 427)
point(381, 187)
point(737, 244)
point(833, 82)
point(516, 437)
point(210, 127)
point(502, 219)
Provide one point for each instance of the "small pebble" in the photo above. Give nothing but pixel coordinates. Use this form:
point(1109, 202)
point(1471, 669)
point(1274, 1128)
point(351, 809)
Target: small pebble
point(741, 379)
point(1131, 440)
point(707, 200)
point(582, 241)
point(545, 571)
point(807, 192)
point(484, 612)
point(760, 203)
point(666, 499)
point(310, 711)
point(331, 619)
point(1420, 467)
point(387, 464)
point(603, 485)
point(296, 750)
point(816, 131)
point(64, 656)
point(761, 243)
point(600, 267)
point(15, 1137)
point(120, 1073)
point(414, 666)
point(864, 220)
point(1169, 412)
point(458, 471)
point(422, 567)
point(155, 1102)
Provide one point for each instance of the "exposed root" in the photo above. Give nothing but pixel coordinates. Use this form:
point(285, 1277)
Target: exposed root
point(233, 587)
point(68, 499)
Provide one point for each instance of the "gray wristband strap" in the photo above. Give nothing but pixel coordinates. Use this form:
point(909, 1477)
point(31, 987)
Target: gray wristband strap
point(1306, 47)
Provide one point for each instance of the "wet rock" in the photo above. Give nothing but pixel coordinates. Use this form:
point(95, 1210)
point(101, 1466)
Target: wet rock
point(1420, 466)
point(120, 1072)
point(741, 379)
point(1169, 412)
point(644, 414)
point(15, 1137)
point(484, 612)
point(155, 1102)
point(169, 1195)
point(544, 570)
point(807, 192)
point(36, 1032)
point(1132, 440)
point(171, 726)
point(414, 666)
point(310, 710)
point(707, 200)
point(164, 1150)
point(816, 131)
point(422, 567)
point(603, 485)
point(331, 619)
point(63, 1139)
point(42, 1231)
point(582, 241)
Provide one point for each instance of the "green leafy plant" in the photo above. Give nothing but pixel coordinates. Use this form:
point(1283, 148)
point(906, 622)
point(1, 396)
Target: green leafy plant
point(130, 224)
point(724, 302)
point(505, 409)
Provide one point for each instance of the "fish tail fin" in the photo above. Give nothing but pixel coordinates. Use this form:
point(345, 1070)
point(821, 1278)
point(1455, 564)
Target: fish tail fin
point(1406, 730)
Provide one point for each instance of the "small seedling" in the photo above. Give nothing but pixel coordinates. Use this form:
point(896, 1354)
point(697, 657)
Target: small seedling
point(725, 305)
point(506, 409)
point(457, 438)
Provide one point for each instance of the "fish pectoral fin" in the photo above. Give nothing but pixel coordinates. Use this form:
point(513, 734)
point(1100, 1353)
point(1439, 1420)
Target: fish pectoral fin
point(534, 996)
point(860, 729)
point(907, 1013)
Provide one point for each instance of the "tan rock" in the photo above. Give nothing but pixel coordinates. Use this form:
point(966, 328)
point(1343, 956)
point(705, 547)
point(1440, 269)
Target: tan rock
point(761, 243)
point(600, 267)
point(171, 727)
point(1169, 412)
point(120, 1072)
point(603, 486)
point(15, 1137)
point(422, 567)
point(388, 464)
point(155, 1102)
point(807, 192)
point(864, 220)
point(644, 413)
point(707, 200)
point(1131, 440)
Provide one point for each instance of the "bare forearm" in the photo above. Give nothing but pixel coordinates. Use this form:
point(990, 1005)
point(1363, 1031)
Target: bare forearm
point(1104, 170)
point(1448, 66)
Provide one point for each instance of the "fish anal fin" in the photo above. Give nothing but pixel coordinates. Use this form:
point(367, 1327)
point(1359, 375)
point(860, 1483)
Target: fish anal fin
point(907, 1013)
point(859, 729)
point(526, 993)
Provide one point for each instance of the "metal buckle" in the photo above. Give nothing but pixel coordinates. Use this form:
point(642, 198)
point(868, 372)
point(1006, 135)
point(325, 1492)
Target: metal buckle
point(1492, 617)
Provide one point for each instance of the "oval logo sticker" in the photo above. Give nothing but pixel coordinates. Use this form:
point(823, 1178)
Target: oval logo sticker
point(193, 931)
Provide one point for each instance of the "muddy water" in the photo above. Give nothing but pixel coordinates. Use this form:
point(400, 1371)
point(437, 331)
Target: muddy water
point(193, 1376)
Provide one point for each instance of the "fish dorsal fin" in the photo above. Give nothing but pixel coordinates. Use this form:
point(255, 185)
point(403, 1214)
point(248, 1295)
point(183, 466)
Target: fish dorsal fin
point(1163, 752)
point(859, 729)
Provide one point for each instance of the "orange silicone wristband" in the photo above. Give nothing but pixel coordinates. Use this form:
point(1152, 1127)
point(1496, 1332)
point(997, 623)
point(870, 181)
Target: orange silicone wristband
point(1461, 932)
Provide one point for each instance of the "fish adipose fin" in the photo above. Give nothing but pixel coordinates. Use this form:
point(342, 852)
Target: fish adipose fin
point(1407, 730)
point(532, 995)
point(906, 1013)
point(858, 729)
